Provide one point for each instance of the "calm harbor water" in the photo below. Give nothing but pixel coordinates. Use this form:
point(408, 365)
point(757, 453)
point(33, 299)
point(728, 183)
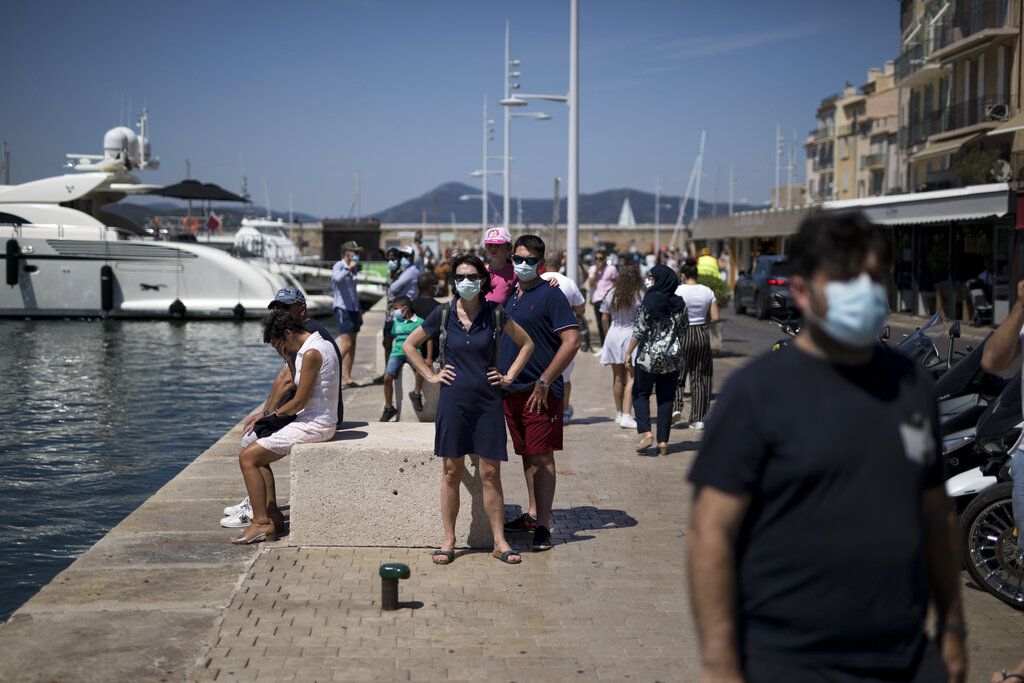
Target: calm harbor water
point(95, 416)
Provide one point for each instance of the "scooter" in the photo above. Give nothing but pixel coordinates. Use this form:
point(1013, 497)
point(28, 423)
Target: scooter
point(989, 537)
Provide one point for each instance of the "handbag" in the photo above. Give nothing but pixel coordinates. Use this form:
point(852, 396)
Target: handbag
point(265, 426)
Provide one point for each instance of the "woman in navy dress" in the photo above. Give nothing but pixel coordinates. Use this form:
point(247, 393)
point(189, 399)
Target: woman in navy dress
point(470, 416)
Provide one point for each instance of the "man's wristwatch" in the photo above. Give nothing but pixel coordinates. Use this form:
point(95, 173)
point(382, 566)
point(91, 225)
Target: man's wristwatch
point(542, 384)
point(266, 412)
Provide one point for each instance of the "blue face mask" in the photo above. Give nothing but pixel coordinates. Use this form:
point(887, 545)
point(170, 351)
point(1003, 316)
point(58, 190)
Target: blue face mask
point(392, 265)
point(524, 271)
point(404, 262)
point(857, 310)
point(355, 258)
point(467, 289)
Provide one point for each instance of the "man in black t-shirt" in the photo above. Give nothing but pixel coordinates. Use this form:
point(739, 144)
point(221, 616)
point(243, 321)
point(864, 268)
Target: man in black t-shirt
point(821, 528)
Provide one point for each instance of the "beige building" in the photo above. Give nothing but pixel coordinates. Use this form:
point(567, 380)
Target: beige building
point(960, 81)
point(852, 152)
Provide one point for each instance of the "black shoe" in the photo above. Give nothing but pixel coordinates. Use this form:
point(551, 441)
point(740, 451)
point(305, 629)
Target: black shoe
point(389, 412)
point(523, 522)
point(542, 539)
point(417, 401)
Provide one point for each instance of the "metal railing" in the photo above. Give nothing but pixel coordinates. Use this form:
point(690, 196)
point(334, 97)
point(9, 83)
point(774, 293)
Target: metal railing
point(955, 116)
point(823, 164)
point(873, 160)
point(980, 16)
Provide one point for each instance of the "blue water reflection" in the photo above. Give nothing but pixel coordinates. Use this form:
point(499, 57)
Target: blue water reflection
point(96, 416)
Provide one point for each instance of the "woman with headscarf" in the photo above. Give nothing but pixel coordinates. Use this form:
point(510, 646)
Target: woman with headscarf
point(658, 334)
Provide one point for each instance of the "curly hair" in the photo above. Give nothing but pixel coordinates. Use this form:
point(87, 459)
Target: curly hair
point(278, 322)
point(628, 288)
point(471, 259)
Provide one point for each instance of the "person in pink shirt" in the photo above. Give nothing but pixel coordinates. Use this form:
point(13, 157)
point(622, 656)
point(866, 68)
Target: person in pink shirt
point(498, 243)
point(600, 280)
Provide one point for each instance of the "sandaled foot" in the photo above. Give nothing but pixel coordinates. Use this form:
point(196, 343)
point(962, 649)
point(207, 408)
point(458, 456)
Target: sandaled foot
point(441, 556)
point(646, 442)
point(508, 557)
point(662, 449)
point(256, 533)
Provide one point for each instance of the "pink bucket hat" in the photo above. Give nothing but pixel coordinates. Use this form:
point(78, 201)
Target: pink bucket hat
point(497, 234)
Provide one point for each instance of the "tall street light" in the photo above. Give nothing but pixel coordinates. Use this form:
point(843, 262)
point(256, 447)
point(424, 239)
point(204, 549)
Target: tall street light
point(483, 171)
point(573, 102)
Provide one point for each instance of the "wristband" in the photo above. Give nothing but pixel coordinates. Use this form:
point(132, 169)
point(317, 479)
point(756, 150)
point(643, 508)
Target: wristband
point(1011, 677)
point(266, 412)
point(542, 384)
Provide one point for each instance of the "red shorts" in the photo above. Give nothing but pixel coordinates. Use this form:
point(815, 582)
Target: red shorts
point(534, 433)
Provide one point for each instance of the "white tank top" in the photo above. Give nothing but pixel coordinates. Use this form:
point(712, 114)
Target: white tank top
point(322, 408)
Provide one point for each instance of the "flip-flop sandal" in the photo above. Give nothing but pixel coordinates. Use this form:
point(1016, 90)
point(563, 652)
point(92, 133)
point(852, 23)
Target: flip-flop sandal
point(449, 556)
point(503, 556)
point(352, 385)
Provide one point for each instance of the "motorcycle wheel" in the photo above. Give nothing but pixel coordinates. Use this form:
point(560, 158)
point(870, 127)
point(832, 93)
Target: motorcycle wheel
point(989, 548)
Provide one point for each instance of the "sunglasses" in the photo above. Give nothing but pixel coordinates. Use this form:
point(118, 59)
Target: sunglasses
point(529, 260)
point(472, 277)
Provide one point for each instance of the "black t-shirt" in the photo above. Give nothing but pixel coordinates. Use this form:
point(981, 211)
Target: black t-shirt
point(423, 306)
point(830, 557)
point(311, 327)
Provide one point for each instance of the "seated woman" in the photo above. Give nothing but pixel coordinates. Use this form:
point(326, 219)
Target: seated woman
point(470, 415)
point(315, 407)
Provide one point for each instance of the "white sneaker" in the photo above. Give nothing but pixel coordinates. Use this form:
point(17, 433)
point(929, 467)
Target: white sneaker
point(235, 510)
point(239, 521)
point(627, 422)
point(696, 425)
point(567, 414)
point(676, 416)
point(618, 418)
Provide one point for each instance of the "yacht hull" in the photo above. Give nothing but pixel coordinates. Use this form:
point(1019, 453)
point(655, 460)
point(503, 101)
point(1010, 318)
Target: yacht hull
point(62, 272)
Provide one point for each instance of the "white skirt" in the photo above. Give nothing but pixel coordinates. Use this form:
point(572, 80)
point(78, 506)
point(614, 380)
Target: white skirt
point(615, 344)
point(281, 441)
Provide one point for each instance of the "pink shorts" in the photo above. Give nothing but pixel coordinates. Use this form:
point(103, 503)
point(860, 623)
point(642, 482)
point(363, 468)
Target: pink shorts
point(281, 441)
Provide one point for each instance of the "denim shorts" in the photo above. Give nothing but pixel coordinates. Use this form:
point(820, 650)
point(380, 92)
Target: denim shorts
point(349, 322)
point(395, 364)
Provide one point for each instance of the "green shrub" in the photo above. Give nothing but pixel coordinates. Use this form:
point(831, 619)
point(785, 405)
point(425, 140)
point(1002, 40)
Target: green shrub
point(723, 295)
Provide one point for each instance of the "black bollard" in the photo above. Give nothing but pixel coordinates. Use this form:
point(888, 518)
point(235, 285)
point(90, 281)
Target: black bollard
point(390, 573)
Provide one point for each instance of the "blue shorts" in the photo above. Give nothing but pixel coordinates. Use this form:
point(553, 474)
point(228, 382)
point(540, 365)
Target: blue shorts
point(349, 322)
point(395, 364)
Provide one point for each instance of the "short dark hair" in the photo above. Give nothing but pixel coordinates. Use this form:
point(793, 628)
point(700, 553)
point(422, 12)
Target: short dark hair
point(837, 243)
point(401, 301)
point(531, 242)
point(471, 259)
point(426, 282)
point(689, 269)
point(280, 321)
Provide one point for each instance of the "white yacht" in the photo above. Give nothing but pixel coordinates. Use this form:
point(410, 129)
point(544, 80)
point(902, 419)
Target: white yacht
point(66, 257)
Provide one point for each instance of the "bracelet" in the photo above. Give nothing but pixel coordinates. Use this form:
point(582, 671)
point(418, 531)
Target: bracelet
point(266, 412)
point(1011, 677)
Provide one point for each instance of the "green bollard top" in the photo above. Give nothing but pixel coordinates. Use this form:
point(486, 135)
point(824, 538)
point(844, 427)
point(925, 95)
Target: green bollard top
point(394, 570)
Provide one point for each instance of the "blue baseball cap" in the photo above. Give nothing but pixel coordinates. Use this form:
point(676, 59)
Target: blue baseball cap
point(286, 296)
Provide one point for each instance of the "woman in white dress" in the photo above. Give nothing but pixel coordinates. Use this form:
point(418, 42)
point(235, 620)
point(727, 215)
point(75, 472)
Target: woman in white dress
point(618, 311)
point(315, 407)
point(702, 309)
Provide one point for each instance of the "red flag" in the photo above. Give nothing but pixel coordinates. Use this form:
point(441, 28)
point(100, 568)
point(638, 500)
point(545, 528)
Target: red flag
point(214, 222)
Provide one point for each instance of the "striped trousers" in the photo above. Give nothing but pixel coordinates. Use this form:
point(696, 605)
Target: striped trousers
point(697, 366)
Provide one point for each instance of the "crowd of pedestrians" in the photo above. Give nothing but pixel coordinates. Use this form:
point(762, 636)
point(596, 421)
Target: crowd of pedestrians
point(791, 580)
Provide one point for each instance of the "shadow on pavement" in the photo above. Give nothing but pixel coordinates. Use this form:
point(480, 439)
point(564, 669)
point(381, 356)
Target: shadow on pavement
point(567, 523)
point(684, 447)
point(589, 420)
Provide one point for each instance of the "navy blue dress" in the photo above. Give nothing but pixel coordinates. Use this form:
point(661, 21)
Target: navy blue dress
point(470, 417)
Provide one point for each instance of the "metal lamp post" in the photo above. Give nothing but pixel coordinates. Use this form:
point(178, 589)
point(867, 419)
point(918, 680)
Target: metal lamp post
point(573, 102)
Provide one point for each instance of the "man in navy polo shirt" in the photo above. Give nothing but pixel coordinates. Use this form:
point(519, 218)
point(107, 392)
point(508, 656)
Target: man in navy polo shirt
point(533, 406)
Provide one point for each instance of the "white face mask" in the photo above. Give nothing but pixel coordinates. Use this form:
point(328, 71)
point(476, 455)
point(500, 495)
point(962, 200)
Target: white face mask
point(467, 289)
point(525, 272)
point(857, 310)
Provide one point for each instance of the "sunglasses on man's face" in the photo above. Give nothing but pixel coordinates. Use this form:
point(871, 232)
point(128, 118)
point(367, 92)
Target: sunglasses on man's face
point(530, 260)
point(472, 277)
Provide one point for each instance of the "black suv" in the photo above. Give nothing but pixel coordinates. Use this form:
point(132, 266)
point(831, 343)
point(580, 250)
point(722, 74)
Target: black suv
point(757, 290)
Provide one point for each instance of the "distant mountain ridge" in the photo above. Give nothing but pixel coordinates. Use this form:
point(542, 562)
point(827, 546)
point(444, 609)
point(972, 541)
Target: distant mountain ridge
point(441, 203)
point(438, 206)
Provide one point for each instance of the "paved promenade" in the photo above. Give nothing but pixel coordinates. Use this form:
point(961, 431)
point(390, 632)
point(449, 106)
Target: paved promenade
point(163, 597)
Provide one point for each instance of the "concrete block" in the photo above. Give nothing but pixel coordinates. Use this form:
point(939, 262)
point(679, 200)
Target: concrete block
point(380, 485)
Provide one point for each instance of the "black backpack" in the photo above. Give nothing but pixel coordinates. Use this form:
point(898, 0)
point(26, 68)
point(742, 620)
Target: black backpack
point(499, 323)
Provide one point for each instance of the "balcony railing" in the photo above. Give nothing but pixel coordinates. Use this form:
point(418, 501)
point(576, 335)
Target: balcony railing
point(823, 164)
point(873, 160)
point(821, 134)
point(980, 16)
point(956, 116)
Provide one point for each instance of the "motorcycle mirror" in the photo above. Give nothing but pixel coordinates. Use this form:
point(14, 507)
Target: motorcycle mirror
point(954, 330)
point(885, 334)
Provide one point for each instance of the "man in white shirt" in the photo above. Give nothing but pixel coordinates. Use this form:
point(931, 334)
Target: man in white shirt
point(578, 302)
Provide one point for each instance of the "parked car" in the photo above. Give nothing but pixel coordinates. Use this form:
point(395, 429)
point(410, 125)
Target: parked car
point(757, 290)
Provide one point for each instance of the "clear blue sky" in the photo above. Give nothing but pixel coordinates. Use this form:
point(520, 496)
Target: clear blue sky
point(307, 93)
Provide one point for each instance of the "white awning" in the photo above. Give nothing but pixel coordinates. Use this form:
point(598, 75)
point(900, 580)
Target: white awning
point(1011, 126)
point(935, 149)
point(943, 206)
